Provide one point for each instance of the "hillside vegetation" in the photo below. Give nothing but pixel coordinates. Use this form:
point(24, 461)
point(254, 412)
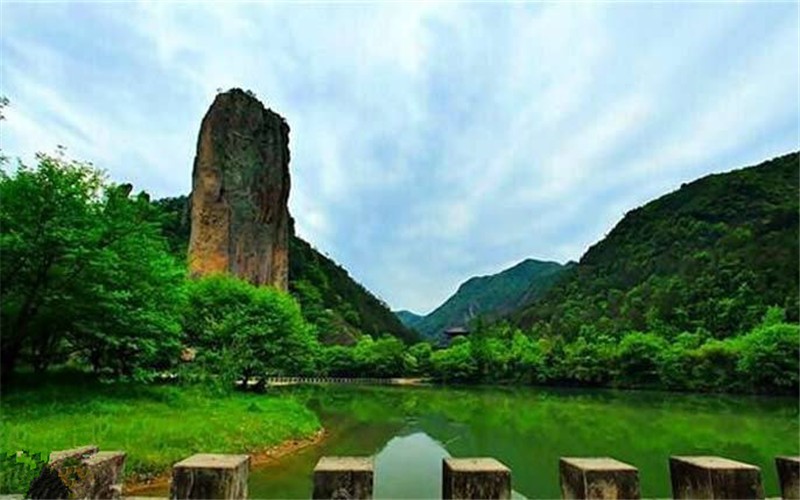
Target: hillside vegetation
point(408, 318)
point(340, 308)
point(697, 291)
point(711, 256)
point(694, 291)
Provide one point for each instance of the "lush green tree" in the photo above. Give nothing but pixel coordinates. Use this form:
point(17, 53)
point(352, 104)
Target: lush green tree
point(244, 331)
point(337, 361)
point(384, 357)
point(421, 352)
point(675, 361)
point(713, 366)
point(637, 359)
point(589, 362)
point(455, 364)
point(527, 363)
point(770, 355)
point(84, 271)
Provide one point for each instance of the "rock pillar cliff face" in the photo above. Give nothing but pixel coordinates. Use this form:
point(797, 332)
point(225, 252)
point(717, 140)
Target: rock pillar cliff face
point(240, 190)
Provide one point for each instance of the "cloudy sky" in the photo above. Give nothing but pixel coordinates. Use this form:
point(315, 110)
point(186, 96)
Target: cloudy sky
point(430, 142)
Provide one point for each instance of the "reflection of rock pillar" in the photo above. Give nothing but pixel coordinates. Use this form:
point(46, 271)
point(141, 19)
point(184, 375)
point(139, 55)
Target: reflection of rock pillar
point(714, 477)
point(598, 478)
point(789, 476)
point(343, 477)
point(475, 478)
point(210, 476)
point(240, 190)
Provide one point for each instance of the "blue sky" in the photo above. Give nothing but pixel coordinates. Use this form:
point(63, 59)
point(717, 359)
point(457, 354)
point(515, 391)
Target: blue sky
point(430, 141)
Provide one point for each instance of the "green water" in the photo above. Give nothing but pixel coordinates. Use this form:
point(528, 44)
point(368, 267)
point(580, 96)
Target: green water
point(409, 430)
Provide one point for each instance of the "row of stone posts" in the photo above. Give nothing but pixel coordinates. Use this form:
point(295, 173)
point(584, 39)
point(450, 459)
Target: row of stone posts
point(693, 477)
point(86, 473)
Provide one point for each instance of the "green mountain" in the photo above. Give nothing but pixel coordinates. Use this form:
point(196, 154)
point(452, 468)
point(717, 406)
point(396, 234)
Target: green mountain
point(341, 308)
point(491, 296)
point(711, 256)
point(408, 318)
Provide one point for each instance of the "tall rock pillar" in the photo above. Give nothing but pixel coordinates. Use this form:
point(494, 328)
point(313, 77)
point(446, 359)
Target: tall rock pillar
point(240, 190)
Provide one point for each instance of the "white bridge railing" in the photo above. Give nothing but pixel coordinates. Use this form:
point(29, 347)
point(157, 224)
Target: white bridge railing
point(276, 381)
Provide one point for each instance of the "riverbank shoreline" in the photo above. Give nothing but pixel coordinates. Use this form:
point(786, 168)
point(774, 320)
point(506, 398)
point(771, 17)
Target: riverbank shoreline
point(139, 484)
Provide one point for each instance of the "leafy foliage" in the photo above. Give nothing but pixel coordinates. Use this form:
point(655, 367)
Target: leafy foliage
point(244, 331)
point(763, 360)
point(19, 469)
point(85, 272)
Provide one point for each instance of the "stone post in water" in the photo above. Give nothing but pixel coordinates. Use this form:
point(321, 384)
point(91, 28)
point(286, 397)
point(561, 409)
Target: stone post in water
point(714, 477)
point(81, 472)
point(468, 478)
point(598, 478)
point(207, 476)
point(343, 477)
point(789, 476)
point(240, 189)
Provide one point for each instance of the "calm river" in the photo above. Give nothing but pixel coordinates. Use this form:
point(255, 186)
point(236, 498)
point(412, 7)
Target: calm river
point(409, 430)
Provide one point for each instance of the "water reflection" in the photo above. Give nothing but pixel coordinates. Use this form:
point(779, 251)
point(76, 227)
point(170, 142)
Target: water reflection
point(411, 456)
point(528, 429)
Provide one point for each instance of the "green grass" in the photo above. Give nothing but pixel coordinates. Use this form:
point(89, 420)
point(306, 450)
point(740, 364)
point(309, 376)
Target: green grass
point(155, 425)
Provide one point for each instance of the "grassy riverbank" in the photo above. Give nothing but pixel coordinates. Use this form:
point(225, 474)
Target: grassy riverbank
point(155, 425)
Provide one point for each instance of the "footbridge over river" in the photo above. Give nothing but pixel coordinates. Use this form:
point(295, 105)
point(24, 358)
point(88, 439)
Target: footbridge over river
point(281, 381)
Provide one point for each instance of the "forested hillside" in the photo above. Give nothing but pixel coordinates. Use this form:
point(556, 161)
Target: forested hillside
point(341, 308)
point(491, 295)
point(711, 256)
point(408, 318)
point(335, 302)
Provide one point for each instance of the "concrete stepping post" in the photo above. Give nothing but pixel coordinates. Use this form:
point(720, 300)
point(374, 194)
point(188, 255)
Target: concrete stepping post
point(103, 476)
point(61, 474)
point(208, 475)
point(80, 473)
point(789, 477)
point(714, 477)
point(57, 458)
point(468, 478)
point(598, 478)
point(343, 477)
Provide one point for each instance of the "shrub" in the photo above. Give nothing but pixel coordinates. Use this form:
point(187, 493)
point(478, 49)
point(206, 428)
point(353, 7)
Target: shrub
point(244, 331)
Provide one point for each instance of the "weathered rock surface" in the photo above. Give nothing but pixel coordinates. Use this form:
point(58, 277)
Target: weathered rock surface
point(789, 477)
point(240, 189)
point(343, 478)
point(714, 477)
point(80, 473)
point(598, 478)
point(466, 478)
point(209, 475)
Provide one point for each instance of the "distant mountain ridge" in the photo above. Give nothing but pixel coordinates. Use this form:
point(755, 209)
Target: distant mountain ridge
point(492, 295)
point(408, 318)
